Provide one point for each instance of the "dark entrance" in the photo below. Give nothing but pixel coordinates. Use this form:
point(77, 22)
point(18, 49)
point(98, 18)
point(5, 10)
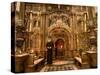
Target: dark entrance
point(59, 49)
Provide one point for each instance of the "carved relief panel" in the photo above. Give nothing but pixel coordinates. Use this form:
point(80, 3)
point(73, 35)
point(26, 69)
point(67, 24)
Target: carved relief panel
point(59, 19)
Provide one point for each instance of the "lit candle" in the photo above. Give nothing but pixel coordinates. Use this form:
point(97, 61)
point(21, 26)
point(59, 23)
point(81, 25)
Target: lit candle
point(61, 46)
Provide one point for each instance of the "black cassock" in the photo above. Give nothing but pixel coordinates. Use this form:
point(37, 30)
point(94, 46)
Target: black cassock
point(49, 52)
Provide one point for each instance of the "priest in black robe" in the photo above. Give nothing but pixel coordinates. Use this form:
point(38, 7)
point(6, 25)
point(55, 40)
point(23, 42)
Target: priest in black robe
point(50, 47)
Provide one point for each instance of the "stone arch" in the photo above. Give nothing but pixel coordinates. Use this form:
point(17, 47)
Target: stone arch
point(67, 37)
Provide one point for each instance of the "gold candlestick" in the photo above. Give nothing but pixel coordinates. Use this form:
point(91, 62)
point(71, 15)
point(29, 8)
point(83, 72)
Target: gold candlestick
point(85, 24)
point(30, 21)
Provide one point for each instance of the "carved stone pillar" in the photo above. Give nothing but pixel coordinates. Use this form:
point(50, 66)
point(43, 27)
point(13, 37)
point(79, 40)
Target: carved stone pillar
point(43, 31)
point(73, 31)
point(29, 31)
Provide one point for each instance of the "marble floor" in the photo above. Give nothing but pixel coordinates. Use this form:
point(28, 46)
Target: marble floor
point(59, 65)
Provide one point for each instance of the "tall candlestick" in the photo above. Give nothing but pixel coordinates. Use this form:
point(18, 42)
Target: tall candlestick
point(38, 17)
point(30, 22)
point(85, 28)
point(77, 40)
point(85, 24)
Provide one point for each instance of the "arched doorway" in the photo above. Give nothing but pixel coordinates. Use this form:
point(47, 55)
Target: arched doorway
point(59, 49)
point(63, 41)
